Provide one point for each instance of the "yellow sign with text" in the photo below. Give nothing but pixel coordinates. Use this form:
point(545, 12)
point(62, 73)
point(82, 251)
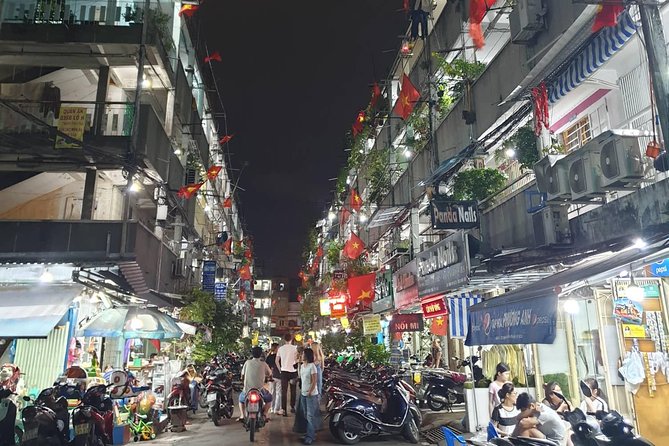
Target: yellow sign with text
point(634, 331)
point(371, 324)
point(72, 122)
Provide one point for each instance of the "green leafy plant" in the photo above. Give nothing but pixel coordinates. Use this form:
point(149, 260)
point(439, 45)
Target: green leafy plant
point(378, 174)
point(477, 184)
point(459, 73)
point(219, 316)
point(524, 141)
point(334, 342)
point(334, 252)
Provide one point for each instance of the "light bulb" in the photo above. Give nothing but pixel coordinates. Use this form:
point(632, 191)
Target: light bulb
point(640, 243)
point(135, 324)
point(362, 218)
point(510, 153)
point(135, 186)
point(407, 154)
point(331, 216)
point(207, 208)
point(146, 83)
point(177, 152)
point(46, 276)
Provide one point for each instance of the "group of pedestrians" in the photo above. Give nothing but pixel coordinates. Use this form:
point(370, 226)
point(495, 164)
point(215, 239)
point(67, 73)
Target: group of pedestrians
point(285, 367)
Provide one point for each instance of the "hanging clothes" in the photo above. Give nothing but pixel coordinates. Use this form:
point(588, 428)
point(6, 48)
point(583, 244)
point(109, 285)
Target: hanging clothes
point(419, 15)
point(633, 371)
point(50, 100)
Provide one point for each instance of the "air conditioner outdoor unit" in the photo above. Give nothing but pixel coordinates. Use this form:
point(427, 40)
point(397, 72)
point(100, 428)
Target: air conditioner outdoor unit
point(179, 268)
point(526, 20)
point(621, 161)
point(584, 172)
point(542, 171)
point(553, 178)
point(551, 226)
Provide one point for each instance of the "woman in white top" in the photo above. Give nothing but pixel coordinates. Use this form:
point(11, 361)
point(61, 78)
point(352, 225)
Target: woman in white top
point(594, 402)
point(502, 375)
point(504, 417)
point(319, 362)
point(309, 396)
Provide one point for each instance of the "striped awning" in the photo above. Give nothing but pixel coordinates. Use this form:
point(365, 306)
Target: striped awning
point(602, 48)
point(458, 309)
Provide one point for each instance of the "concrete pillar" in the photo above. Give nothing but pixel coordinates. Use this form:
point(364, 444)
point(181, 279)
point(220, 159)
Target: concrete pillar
point(100, 99)
point(88, 201)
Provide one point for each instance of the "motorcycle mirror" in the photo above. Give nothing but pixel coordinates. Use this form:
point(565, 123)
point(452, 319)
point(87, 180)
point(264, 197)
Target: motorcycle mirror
point(26, 398)
point(559, 395)
point(585, 388)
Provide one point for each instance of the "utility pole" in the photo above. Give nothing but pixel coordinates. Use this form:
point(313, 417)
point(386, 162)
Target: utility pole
point(656, 49)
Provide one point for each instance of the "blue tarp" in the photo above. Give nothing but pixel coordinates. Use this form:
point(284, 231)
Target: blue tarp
point(512, 321)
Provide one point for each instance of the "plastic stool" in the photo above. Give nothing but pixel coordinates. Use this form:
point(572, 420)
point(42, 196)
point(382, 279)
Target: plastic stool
point(452, 439)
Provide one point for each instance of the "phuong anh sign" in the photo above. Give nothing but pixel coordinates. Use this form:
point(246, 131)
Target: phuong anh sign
point(454, 214)
point(434, 307)
point(406, 322)
point(405, 285)
point(528, 321)
point(383, 297)
point(444, 266)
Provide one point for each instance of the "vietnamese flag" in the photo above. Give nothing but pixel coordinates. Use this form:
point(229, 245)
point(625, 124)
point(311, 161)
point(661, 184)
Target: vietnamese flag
point(215, 56)
point(248, 254)
point(477, 11)
point(242, 294)
point(188, 10)
point(607, 15)
point(439, 326)
point(245, 272)
point(227, 203)
point(225, 139)
point(345, 214)
point(188, 190)
point(361, 289)
point(407, 100)
point(213, 172)
point(319, 251)
point(358, 124)
point(227, 247)
point(355, 200)
point(353, 247)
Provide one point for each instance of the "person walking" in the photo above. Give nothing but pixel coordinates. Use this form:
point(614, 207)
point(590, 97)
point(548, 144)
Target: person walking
point(275, 384)
point(319, 362)
point(309, 411)
point(286, 359)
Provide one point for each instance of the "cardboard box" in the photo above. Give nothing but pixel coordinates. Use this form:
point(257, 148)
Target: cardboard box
point(121, 434)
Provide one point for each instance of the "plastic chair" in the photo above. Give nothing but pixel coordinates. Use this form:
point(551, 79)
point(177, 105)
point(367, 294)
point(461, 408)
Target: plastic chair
point(452, 439)
point(492, 432)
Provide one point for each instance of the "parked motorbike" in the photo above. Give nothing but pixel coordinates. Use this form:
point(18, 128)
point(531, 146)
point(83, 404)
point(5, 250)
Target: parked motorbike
point(363, 416)
point(55, 398)
point(219, 396)
point(179, 396)
point(10, 433)
point(522, 441)
point(442, 389)
point(93, 418)
point(472, 363)
point(605, 429)
point(254, 418)
point(41, 425)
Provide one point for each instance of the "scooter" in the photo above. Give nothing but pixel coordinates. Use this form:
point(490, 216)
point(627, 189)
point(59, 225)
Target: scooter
point(443, 389)
point(10, 433)
point(605, 429)
point(93, 418)
point(219, 396)
point(362, 417)
point(40, 426)
point(472, 363)
point(522, 441)
point(55, 398)
point(255, 418)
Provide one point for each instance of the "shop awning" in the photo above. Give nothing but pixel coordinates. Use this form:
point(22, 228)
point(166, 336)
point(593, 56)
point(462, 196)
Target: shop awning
point(33, 311)
point(540, 299)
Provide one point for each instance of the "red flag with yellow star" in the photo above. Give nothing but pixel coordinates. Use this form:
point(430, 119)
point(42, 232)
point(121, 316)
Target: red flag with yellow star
point(227, 247)
point(188, 190)
point(376, 94)
point(213, 172)
point(353, 247)
point(225, 139)
point(607, 15)
point(188, 10)
point(358, 124)
point(227, 203)
point(439, 326)
point(355, 200)
point(245, 272)
point(361, 289)
point(215, 56)
point(407, 100)
point(345, 214)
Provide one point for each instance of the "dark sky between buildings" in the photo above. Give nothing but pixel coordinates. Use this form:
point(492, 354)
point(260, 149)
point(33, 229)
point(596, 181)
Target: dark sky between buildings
point(293, 76)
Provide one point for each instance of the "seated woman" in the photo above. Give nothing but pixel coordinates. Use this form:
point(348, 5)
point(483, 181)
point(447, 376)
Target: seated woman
point(593, 401)
point(504, 416)
point(555, 399)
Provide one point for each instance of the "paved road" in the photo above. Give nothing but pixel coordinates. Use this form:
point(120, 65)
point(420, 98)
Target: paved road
point(202, 432)
point(278, 432)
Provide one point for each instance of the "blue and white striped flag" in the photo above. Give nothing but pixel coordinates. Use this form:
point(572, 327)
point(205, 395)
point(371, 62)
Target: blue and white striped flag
point(458, 312)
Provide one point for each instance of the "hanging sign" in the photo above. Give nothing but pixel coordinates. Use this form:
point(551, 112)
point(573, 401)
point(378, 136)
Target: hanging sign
point(406, 322)
point(325, 307)
point(444, 266)
point(344, 322)
point(383, 296)
point(209, 276)
point(71, 121)
point(660, 269)
point(627, 311)
point(405, 285)
point(338, 307)
point(527, 321)
point(634, 331)
point(448, 214)
point(434, 307)
point(220, 290)
point(371, 324)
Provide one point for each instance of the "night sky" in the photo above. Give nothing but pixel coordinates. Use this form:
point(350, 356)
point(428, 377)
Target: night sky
point(293, 76)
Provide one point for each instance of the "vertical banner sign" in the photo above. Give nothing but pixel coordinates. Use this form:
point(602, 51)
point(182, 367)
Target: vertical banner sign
point(220, 290)
point(71, 121)
point(406, 322)
point(405, 285)
point(383, 297)
point(371, 324)
point(209, 276)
